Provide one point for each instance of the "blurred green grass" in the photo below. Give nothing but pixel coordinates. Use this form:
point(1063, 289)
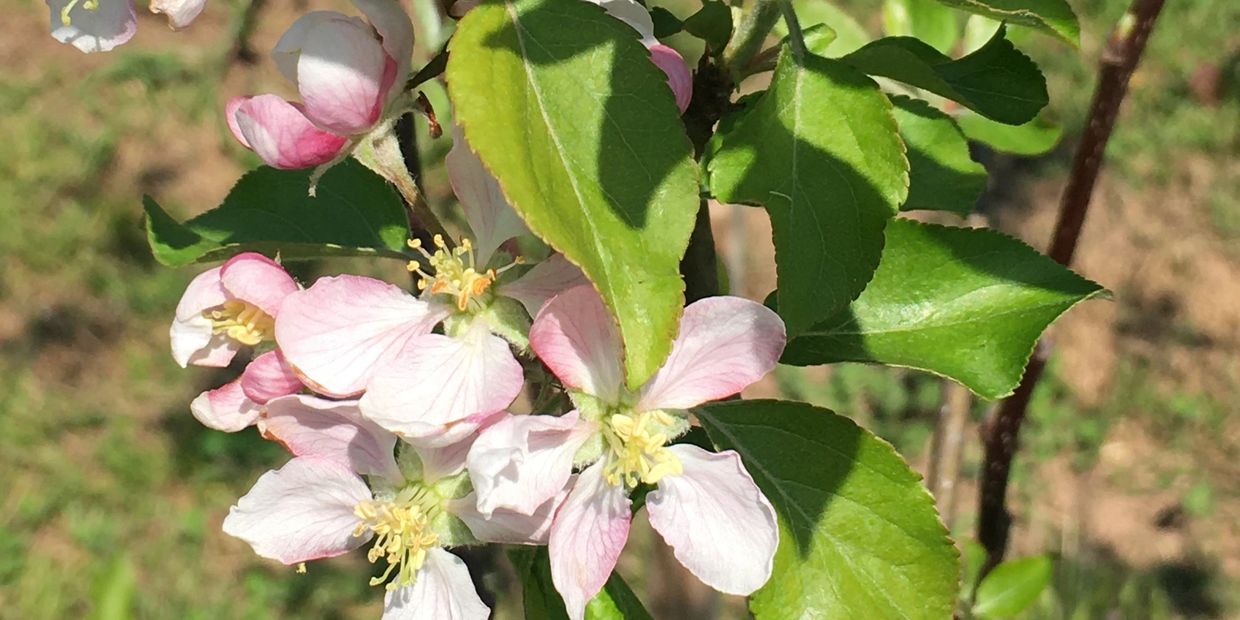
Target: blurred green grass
point(114, 494)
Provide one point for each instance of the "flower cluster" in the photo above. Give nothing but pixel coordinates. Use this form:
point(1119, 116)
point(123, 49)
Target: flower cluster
point(404, 412)
point(400, 413)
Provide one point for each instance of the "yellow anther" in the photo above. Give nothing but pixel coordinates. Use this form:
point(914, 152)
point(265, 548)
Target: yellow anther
point(414, 243)
point(241, 321)
point(401, 527)
point(639, 448)
point(413, 266)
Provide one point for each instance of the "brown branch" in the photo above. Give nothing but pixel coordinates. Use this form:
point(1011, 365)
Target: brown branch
point(946, 447)
point(1000, 435)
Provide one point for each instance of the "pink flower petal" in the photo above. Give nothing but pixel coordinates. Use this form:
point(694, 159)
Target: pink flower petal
point(254, 278)
point(342, 329)
point(99, 30)
point(442, 591)
point(587, 536)
point(439, 381)
point(204, 292)
point(332, 430)
point(578, 340)
point(194, 341)
point(225, 408)
point(524, 460)
point(230, 116)
point(717, 522)
point(300, 512)
point(679, 78)
point(340, 76)
point(268, 377)
point(544, 281)
point(180, 12)
point(725, 344)
point(390, 20)
point(280, 133)
point(490, 217)
point(507, 526)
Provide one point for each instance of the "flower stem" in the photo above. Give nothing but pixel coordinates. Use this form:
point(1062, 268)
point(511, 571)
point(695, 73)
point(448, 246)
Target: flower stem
point(795, 37)
point(755, 26)
point(381, 152)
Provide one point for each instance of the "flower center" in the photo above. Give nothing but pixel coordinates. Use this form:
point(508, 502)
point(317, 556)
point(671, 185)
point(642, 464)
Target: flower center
point(456, 271)
point(241, 321)
point(402, 533)
point(639, 447)
point(89, 5)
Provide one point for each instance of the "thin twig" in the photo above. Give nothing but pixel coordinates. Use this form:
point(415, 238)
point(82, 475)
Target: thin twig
point(1000, 434)
point(946, 447)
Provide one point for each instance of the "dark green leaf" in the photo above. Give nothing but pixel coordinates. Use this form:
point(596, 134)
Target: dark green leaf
point(942, 175)
point(859, 535)
point(665, 23)
point(616, 602)
point(963, 303)
point(712, 23)
point(355, 213)
point(821, 152)
point(1054, 17)
point(1012, 587)
point(1036, 137)
point(997, 81)
point(562, 103)
point(927, 20)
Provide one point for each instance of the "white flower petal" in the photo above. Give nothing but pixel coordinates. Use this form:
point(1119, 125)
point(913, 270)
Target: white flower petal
point(99, 30)
point(439, 381)
point(542, 282)
point(587, 536)
point(442, 591)
point(490, 217)
point(506, 526)
point(342, 329)
point(524, 460)
point(300, 512)
point(717, 522)
point(333, 430)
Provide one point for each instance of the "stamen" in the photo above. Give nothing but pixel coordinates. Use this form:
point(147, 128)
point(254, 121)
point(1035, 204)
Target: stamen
point(640, 452)
point(402, 533)
point(241, 321)
point(455, 271)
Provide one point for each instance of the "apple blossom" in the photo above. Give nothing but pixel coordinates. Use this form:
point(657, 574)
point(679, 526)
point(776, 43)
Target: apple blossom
point(704, 504)
point(318, 505)
point(223, 310)
point(349, 73)
point(101, 25)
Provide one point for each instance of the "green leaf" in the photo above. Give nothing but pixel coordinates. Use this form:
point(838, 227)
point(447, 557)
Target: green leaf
point(997, 81)
point(927, 20)
point(849, 35)
point(859, 535)
point(355, 213)
point(959, 302)
point(712, 23)
point(1012, 587)
point(666, 23)
point(615, 602)
point(821, 152)
point(1036, 137)
point(942, 175)
point(1053, 17)
point(562, 103)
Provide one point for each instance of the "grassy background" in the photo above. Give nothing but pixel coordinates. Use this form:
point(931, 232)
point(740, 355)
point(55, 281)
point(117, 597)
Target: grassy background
point(113, 494)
